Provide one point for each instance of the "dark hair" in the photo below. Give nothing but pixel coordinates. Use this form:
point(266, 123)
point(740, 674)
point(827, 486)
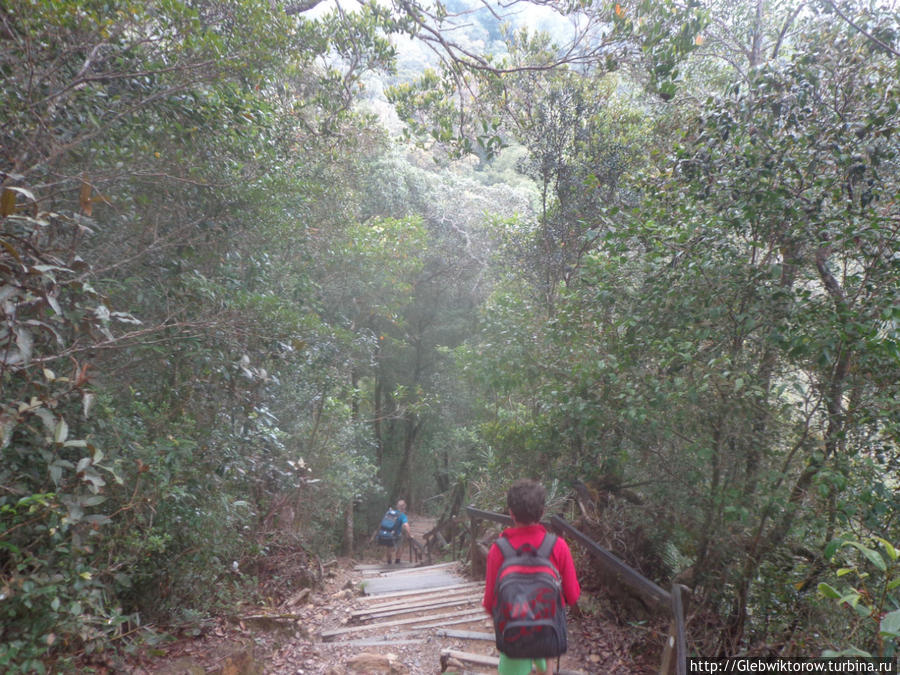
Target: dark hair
point(525, 499)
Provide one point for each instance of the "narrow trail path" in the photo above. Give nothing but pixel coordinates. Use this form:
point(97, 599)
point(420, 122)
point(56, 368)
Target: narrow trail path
point(370, 618)
point(419, 618)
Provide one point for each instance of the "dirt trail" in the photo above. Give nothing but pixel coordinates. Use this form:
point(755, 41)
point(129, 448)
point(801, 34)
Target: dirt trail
point(286, 640)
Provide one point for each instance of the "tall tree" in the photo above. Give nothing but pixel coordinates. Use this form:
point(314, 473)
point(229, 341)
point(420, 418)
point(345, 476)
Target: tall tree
point(151, 156)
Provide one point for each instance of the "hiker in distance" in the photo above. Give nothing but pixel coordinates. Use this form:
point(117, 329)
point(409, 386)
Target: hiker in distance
point(530, 578)
point(394, 527)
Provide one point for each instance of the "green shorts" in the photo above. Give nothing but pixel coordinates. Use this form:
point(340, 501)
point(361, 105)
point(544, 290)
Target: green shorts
point(510, 666)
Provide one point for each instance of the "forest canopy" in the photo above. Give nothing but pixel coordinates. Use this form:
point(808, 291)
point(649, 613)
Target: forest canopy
point(267, 267)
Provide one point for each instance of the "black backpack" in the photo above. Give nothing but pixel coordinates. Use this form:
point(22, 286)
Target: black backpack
point(529, 616)
point(389, 530)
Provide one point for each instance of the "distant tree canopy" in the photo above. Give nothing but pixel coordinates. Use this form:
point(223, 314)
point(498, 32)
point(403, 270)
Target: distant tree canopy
point(658, 261)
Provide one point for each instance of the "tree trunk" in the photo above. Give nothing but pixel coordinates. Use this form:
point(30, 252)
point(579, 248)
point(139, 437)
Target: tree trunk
point(404, 479)
point(347, 548)
point(764, 544)
point(377, 430)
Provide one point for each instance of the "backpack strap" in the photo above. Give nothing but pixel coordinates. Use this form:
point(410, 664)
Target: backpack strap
point(543, 551)
point(506, 548)
point(547, 545)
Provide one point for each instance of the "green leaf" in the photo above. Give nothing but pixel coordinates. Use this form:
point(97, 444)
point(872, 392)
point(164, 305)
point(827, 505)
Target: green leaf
point(890, 624)
point(25, 342)
point(28, 194)
point(98, 519)
point(87, 402)
point(832, 548)
point(829, 591)
point(873, 556)
point(852, 651)
point(6, 546)
point(889, 547)
point(851, 598)
point(61, 433)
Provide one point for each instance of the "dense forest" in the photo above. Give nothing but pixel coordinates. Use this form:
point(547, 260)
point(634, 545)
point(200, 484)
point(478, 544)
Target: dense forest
point(268, 266)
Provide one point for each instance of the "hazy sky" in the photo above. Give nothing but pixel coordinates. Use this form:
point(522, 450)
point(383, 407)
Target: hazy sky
point(473, 33)
point(473, 30)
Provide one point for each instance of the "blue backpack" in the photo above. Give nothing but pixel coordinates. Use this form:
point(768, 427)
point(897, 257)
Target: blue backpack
point(389, 530)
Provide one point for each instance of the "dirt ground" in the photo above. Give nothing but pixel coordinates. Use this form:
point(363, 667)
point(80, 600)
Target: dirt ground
point(283, 639)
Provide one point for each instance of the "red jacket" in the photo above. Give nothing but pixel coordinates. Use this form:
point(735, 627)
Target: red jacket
point(561, 557)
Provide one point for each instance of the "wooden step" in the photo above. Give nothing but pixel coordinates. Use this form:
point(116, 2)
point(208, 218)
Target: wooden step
point(420, 599)
point(465, 635)
point(431, 590)
point(325, 635)
point(385, 568)
point(424, 569)
point(420, 607)
point(377, 642)
point(467, 618)
point(424, 595)
point(469, 657)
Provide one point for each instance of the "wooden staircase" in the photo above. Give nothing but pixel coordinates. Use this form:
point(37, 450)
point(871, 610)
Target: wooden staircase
point(425, 605)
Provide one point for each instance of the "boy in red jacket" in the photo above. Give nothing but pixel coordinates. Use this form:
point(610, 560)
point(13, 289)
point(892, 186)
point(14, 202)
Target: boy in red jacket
point(525, 500)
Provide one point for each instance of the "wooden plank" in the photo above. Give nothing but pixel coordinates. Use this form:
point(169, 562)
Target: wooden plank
point(403, 595)
point(420, 591)
point(418, 608)
point(376, 571)
point(469, 657)
point(377, 642)
point(502, 518)
point(433, 580)
point(466, 635)
point(469, 618)
point(388, 624)
point(389, 570)
point(418, 570)
point(386, 570)
point(420, 600)
point(424, 603)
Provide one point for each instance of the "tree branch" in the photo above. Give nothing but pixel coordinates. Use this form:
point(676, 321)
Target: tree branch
point(871, 37)
point(300, 7)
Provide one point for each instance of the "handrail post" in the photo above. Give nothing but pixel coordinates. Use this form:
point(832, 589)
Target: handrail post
point(675, 651)
point(473, 536)
point(678, 607)
point(669, 654)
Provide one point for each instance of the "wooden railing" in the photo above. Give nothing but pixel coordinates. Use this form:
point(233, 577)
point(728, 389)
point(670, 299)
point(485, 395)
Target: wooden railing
point(674, 656)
